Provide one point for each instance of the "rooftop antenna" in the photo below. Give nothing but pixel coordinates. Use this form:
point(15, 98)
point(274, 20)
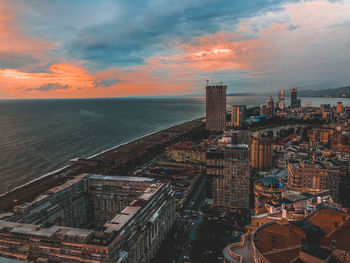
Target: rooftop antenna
point(207, 81)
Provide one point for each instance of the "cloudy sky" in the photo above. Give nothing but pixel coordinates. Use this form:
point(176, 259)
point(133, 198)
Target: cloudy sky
point(112, 48)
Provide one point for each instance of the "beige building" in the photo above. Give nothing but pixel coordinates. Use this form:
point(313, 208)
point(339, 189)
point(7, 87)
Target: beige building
point(92, 218)
point(313, 177)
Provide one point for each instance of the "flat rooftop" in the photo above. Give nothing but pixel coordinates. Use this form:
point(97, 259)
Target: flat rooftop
point(50, 232)
point(121, 178)
point(120, 220)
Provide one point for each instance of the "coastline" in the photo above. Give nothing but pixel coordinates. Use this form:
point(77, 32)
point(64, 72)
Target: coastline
point(138, 138)
point(59, 175)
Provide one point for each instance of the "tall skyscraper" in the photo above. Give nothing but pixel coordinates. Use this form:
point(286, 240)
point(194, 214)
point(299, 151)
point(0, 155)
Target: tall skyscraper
point(215, 107)
point(293, 95)
point(281, 104)
point(294, 101)
point(238, 115)
point(261, 153)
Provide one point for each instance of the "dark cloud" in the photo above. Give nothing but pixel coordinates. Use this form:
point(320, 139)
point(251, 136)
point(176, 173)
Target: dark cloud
point(105, 83)
point(15, 60)
point(292, 27)
point(144, 29)
point(49, 87)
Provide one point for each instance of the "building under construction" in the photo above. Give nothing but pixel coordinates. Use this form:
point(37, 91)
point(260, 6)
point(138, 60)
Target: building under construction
point(215, 107)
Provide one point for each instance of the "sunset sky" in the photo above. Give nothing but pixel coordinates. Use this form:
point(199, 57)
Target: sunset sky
point(113, 48)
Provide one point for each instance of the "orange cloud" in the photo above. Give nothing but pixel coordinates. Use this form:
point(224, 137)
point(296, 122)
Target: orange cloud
point(273, 50)
point(72, 80)
point(62, 78)
point(213, 52)
point(160, 76)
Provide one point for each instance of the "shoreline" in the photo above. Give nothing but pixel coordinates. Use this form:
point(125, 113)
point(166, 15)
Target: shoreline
point(58, 170)
point(57, 174)
point(138, 138)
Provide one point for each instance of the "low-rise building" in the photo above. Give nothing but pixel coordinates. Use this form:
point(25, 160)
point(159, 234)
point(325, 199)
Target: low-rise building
point(267, 190)
point(313, 177)
point(186, 152)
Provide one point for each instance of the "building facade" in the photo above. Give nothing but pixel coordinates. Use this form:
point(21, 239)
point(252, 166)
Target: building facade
point(294, 101)
point(313, 177)
point(238, 115)
point(340, 107)
point(271, 107)
point(232, 177)
point(138, 213)
point(215, 107)
point(261, 153)
point(268, 190)
point(281, 105)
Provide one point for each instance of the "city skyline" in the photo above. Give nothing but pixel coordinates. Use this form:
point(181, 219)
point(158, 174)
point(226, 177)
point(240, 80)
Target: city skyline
point(60, 49)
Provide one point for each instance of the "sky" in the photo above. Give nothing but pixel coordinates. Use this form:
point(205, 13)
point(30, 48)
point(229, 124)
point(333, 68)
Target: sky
point(118, 48)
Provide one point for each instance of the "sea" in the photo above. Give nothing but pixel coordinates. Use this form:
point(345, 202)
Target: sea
point(39, 136)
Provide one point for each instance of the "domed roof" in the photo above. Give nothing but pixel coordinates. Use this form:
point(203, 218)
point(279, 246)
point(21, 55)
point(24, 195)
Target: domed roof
point(270, 181)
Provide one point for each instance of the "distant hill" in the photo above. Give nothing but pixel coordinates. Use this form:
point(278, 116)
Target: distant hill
point(242, 94)
point(343, 92)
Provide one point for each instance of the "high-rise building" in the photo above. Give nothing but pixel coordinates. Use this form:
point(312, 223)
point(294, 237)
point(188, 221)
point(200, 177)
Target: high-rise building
point(238, 115)
point(231, 186)
point(281, 104)
point(215, 107)
point(271, 107)
point(294, 101)
point(264, 110)
point(261, 153)
point(340, 107)
point(293, 95)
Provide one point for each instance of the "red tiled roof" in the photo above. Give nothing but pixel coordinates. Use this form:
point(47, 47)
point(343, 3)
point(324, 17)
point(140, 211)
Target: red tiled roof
point(287, 139)
point(326, 219)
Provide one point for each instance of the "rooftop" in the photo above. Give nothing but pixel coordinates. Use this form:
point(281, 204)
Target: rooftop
point(270, 181)
point(121, 178)
point(121, 219)
point(282, 241)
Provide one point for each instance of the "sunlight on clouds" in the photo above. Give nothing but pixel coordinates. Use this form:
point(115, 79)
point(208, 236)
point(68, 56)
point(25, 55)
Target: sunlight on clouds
point(288, 46)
